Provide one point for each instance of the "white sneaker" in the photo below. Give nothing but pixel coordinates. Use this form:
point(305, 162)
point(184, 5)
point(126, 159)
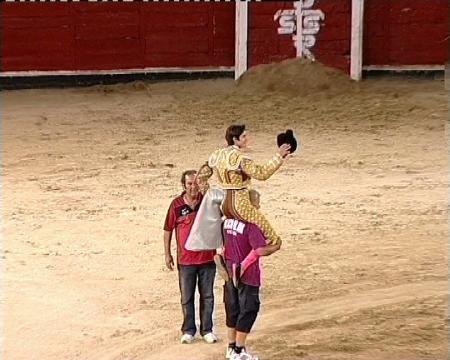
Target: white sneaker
point(187, 339)
point(210, 338)
point(247, 356)
point(243, 356)
point(229, 353)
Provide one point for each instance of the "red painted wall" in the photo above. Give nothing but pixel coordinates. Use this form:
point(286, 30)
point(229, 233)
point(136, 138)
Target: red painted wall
point(396, 32)
point(265, 45)
point(332, 42)
point(106, 36)
point(404, 32)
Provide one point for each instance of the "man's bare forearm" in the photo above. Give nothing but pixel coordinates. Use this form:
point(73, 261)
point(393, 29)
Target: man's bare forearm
point(267, 250)
point(167, 242)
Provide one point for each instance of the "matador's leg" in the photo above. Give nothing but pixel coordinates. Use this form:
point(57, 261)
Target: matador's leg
point(237, 205)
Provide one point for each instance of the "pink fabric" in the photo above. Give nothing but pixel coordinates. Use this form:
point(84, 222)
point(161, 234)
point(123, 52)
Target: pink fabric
point(252, 257)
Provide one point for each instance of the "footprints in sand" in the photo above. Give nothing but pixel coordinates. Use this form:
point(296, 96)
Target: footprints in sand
point(123, 333)
point(309, 323)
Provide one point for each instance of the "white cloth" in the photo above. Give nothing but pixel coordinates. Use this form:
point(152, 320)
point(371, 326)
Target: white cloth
point(206, 232)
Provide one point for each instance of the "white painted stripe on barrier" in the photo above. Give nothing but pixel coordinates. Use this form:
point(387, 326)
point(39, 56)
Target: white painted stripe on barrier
point(241, 38)
point(298, 6)
point(12, 1)
point(356, 55)
point(404, 67)
point(156, 70)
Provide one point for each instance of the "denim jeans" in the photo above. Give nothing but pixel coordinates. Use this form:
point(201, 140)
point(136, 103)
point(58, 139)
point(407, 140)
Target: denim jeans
point(189, 276)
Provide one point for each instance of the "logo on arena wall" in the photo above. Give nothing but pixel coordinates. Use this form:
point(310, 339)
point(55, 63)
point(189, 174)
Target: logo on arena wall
point(310, 19)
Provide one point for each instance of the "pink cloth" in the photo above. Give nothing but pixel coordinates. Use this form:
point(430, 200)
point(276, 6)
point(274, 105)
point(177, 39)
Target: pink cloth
point(249, 260)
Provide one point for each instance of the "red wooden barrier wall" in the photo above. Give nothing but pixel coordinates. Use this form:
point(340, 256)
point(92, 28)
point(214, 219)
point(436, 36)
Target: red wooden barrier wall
point(107, 36)
point(332, 41)
point(265, 45)
point(404, 32)
point(334, 38)
point(110, 36)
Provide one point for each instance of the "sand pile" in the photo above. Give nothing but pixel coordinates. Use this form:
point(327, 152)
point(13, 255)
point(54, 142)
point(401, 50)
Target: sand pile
point(296, 77)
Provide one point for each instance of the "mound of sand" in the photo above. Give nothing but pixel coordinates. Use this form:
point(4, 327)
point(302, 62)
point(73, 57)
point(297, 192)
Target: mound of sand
point(296, 77)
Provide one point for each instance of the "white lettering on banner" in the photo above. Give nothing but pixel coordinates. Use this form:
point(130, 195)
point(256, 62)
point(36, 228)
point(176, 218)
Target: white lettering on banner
point(286, 18)
point(308, 4)
point(311, 19)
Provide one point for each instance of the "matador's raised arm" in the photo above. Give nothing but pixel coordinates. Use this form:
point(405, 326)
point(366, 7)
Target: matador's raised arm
point(261, 172)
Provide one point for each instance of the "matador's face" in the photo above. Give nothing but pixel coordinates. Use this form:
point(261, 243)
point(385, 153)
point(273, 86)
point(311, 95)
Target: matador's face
point(243, 140)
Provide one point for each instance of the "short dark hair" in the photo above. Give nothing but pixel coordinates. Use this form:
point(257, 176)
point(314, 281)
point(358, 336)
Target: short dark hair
point(186, 173)
point(234, 131)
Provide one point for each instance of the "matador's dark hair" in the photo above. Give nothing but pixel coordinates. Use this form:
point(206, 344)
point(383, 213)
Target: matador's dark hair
point(234, 131)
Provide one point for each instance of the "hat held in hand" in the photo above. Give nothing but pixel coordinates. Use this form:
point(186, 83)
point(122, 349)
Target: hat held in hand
point(287, 138)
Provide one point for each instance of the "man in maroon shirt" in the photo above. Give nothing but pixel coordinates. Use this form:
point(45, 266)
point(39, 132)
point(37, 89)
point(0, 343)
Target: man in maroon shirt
point(192, 265)
point(242, 299)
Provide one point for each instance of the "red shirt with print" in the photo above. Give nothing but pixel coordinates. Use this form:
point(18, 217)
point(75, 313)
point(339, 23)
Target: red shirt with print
point(180, 217)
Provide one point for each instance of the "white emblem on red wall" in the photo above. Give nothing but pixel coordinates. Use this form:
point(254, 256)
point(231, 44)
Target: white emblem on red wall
point(310, 18)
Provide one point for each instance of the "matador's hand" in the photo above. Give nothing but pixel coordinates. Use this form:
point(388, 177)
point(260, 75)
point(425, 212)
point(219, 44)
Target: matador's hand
point(283, 150)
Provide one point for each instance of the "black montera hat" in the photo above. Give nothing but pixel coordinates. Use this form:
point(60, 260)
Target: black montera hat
point(287, 138)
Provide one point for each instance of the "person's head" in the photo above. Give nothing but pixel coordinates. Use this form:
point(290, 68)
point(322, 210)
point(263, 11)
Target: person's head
point(189, 183)
point(237, 135)
point(254, 198)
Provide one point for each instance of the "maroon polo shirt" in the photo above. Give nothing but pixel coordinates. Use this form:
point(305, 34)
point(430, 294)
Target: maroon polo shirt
point(240, 238)
point(180, 217)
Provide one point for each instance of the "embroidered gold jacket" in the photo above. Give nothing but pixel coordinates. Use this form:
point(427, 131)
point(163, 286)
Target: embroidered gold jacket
point(234, 169)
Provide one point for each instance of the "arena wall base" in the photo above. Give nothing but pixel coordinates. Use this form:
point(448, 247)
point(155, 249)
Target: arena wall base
point(434, 72)
point(400, 68)
point(418, 71)
point(62, 79)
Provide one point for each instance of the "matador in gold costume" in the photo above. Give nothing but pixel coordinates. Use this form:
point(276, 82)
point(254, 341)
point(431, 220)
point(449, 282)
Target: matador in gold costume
point(234, 171)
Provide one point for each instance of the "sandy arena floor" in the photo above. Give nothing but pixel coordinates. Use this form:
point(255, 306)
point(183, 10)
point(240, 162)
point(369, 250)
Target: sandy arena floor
point(88, 175)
